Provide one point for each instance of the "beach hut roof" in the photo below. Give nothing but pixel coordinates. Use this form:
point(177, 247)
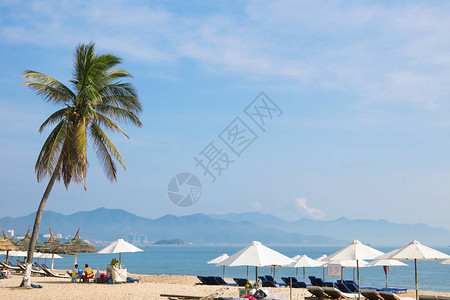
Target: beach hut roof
point(50, 245)
point(25, 242)
point(76, 246)
point(6, 245)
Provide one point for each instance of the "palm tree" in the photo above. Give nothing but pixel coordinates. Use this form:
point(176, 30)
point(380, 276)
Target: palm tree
point(98, 100)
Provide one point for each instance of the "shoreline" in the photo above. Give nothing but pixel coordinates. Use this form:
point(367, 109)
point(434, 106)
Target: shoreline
point(150, 287)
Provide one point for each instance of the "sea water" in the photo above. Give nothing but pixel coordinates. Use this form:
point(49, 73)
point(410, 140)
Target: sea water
point(191, 260)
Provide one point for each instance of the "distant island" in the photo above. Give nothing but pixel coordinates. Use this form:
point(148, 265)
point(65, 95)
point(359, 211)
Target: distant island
point(170, 242)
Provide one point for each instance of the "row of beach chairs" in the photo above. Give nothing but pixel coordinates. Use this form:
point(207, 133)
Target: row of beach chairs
point(346, 286)
point(37, 269)
point(326, 292)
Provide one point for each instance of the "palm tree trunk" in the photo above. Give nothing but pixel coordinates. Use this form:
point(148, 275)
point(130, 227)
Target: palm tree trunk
point(26, 281)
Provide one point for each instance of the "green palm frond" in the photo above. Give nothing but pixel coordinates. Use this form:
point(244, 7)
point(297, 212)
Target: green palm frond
point(105, 150)
point(50, 151)
point(110, 124)
point(56, 117)
point(47, 87)
point(123, 95)
point(119, 114)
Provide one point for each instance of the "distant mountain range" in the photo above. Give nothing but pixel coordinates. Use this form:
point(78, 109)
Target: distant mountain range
point(109, 224)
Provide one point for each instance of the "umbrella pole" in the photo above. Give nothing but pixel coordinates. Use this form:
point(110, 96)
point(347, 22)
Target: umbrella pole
point(296, 273)
point(290, 288)
point(53, 260)
point(223, 275)
point(274, 272)
point(7, 254)
point(323, 273)
point(75, 259)
point(386, 271)
point(304, 274)
point(353, 274)
point(342, 274)
point(359, 290)
point(256, 276)
point(120, 260)
point(417, 288)
point(247, 272)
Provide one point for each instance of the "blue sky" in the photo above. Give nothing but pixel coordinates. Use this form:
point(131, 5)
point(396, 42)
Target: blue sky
point(363, 86)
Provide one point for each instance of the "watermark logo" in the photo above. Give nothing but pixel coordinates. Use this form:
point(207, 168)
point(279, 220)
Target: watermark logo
point(184, 189)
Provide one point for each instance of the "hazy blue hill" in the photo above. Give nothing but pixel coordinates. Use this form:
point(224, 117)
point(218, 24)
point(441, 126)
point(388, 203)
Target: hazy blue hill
point(381, 232)
point(109, 224)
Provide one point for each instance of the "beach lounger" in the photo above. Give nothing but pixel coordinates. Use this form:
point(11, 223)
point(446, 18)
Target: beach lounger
point(208, 280)
point(33, 271)
point(371, 294)
point(334, 293)
point(267, 283)
point(342, 287)
point(295, 282)
point(221, 281)
point(443, 298)
point(53, 274)
point(318, 293)
point(392, 296)
point(270, 278)
point(240, 281)
point(10, 267)
point(353, 287)
point(315, 281)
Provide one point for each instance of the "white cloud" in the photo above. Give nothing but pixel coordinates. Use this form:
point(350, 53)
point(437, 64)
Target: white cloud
point(309, 211)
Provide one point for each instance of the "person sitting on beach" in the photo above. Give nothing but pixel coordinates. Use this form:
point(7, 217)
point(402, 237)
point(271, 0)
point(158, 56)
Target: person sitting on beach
point(88, 273)
point(76, 274)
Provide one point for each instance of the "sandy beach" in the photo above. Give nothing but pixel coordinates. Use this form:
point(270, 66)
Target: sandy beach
point(150, 287)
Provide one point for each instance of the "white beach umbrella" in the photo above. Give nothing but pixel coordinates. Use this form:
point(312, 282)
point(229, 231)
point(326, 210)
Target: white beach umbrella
point(304, 261)
point(415, 251)
point(355, 251)
point(48, 255)
point(218, 260)
point(120, 246)
point(386, 264)
point(258, 255)
point(296, 257)
point(445, 262)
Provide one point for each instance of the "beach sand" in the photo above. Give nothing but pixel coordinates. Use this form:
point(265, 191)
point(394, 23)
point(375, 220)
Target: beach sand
point(150, 287)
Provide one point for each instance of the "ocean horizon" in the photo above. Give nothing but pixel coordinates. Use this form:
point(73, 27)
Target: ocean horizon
point(191, 260)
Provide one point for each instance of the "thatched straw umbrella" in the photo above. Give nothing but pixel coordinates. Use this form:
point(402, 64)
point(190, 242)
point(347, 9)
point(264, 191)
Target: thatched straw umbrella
point(50, 247)
point(76, 246)
point(25, 242)
point(6, 237)
point(6, 245)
